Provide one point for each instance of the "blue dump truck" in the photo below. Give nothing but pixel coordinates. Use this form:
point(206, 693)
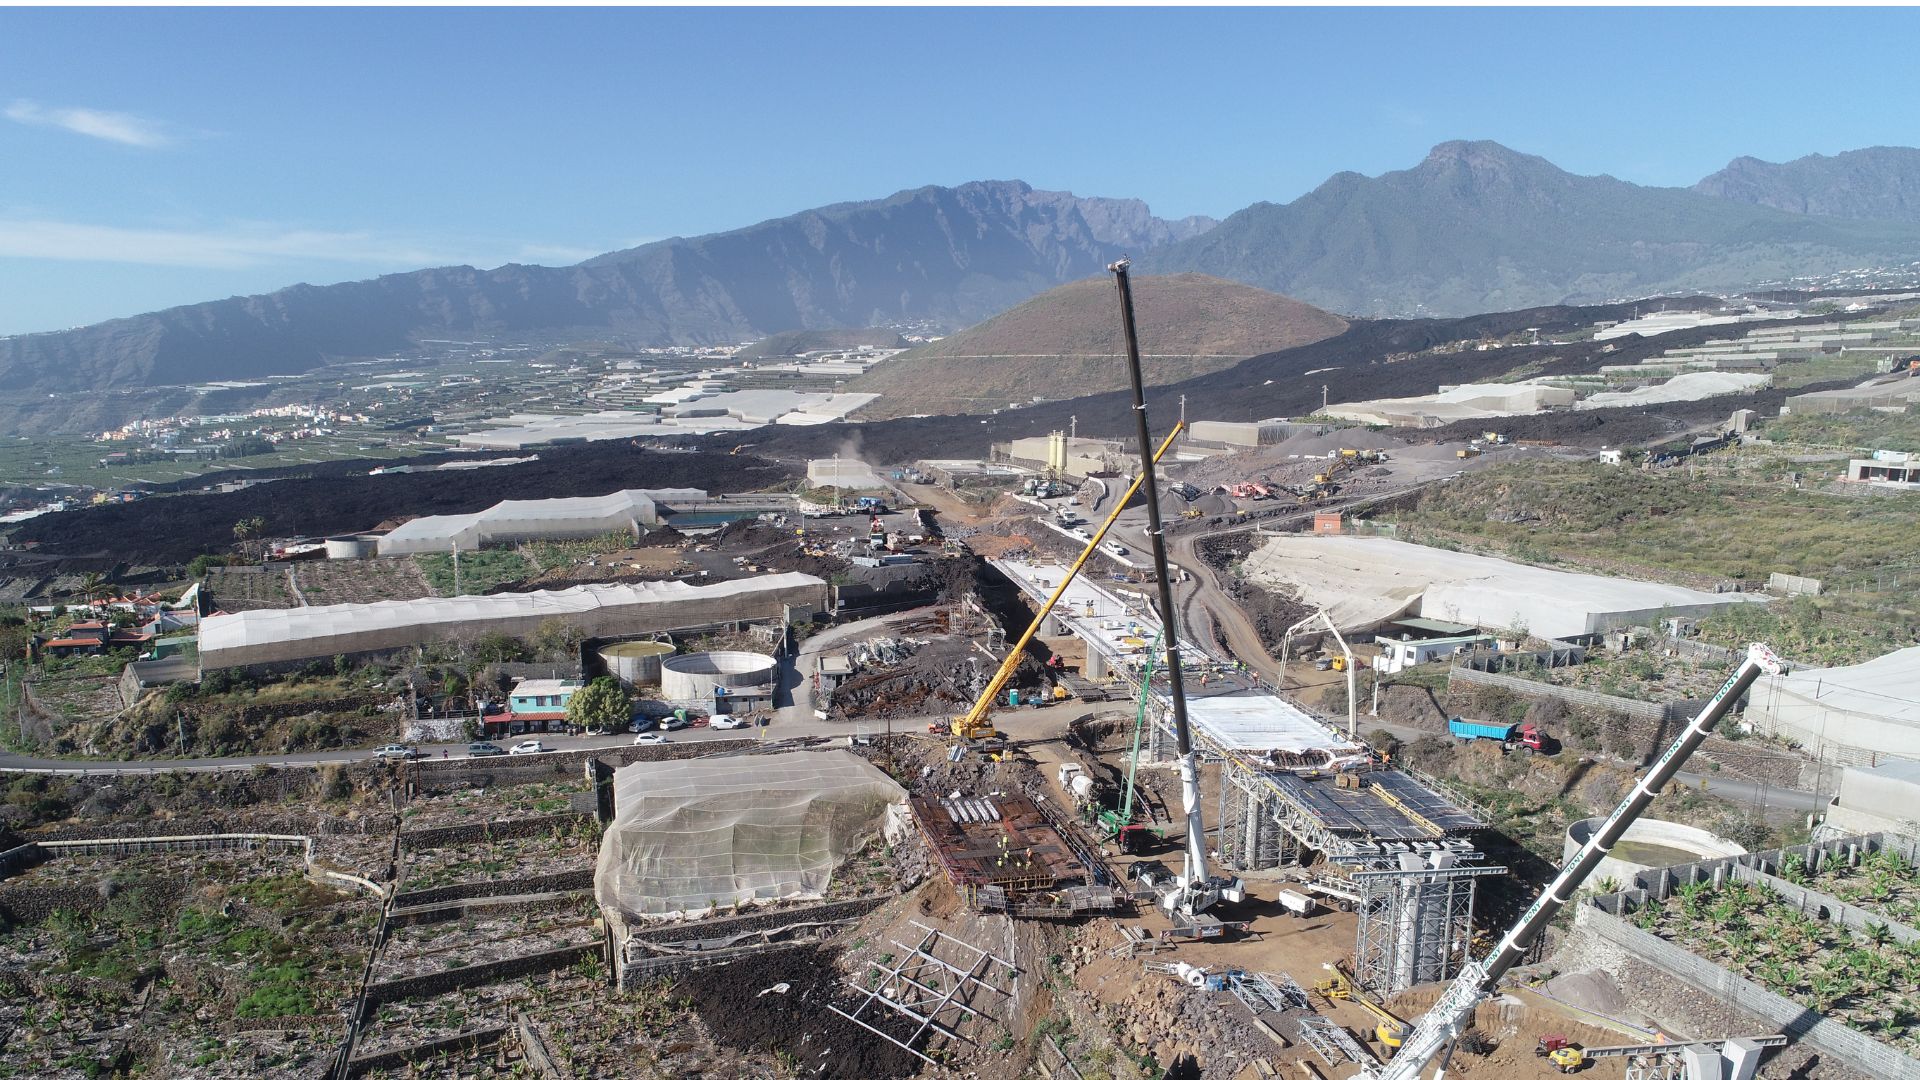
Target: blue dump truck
point(1509, 736)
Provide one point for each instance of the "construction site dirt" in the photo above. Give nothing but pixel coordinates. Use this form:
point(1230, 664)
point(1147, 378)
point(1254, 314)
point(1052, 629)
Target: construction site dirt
point(776, 1006)
point(1270, 612)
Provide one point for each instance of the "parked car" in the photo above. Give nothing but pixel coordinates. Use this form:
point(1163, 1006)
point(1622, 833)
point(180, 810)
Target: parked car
point(483, 749)
point(529, 746)
point(645, 723)
point(649, 738)
point(676, 722)
point(399, 751)
point(729, 723)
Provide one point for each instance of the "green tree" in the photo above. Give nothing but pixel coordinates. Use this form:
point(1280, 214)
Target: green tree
point(94, 586)
point(248, 532)
point(556, 637)
point(494, 647)
point(601, 705)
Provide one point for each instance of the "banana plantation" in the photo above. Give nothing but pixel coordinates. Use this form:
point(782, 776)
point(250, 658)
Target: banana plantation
point(1866, 979)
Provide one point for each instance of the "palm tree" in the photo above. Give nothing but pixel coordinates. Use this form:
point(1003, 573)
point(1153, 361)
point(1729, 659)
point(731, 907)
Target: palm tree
point(94, 585)
point(247, 530)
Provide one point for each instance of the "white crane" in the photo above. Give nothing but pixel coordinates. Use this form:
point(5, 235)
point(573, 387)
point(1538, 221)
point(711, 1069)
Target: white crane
point(1442, 1024)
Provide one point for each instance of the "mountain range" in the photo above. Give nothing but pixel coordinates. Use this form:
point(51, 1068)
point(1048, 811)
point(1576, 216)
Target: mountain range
point(1474, 227)
point(1882, 183)
point(1478, 227)
point(951, 256)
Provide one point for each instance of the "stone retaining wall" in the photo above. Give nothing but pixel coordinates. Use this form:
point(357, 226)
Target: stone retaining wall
point(481, 832)
point(33, 904)
point(304, 824)
point(451, 910)
point(441, 982)
point(1642, 710)
point(464, 1043)
point(560, 881)
point(1800, 1024)
point(697, 929)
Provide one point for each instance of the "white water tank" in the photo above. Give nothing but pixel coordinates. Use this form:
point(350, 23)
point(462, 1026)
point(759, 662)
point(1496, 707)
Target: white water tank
point(694, 676)
point(636, 663)
point(1647, 844)
point(350, 547)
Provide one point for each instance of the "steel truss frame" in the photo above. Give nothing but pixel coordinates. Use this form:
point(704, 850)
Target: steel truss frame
point(1415, 925)
point(909, 987)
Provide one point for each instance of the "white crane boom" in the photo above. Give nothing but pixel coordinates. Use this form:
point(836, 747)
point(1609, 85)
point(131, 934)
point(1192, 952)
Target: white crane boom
point(1353, 682)
point(1449, 1016)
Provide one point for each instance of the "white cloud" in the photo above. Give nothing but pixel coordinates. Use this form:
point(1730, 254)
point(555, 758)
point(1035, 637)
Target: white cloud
point(124, 128)
point(225, 248)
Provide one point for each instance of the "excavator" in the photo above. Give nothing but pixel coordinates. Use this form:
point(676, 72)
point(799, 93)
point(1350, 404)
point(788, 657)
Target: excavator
point(1339, 986)
point(1437, 1032)
point(975, 723)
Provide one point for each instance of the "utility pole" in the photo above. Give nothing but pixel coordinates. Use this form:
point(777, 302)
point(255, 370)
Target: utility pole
point(455, 548)
point(1073, 429)
point(1323, 397)
point(1183, 410)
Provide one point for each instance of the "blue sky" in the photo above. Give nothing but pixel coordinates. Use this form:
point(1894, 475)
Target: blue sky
point(150, 157)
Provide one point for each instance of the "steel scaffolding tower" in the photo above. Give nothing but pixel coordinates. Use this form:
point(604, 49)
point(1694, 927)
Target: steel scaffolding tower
point(1416, 923)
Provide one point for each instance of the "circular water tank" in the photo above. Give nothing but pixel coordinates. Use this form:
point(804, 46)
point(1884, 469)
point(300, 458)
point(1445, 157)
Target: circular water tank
point(636, 663)
point(349, 547)
point(1648, 844)
point(692, 677)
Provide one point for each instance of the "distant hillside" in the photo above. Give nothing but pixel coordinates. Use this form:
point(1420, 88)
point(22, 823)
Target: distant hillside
point(795, 342)
point(1478, 227)
point(1880, 182)
point(1066, 342)
point(943, 255)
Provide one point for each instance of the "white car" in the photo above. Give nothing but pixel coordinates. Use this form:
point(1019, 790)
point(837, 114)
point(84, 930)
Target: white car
point(728, 723)
point(649, 738)
point(529, 746)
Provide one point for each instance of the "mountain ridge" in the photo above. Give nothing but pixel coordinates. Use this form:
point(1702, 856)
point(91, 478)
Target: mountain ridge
point(1875, 182)
point(1476, 226)
point(1473, 227)
point(949, 255)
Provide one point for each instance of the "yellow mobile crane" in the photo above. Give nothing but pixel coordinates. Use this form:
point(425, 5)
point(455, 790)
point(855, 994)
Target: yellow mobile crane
point(1339, 986)
point(975, 724)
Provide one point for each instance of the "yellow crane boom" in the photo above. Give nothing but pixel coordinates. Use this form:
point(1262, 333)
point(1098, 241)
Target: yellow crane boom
point(974, 724)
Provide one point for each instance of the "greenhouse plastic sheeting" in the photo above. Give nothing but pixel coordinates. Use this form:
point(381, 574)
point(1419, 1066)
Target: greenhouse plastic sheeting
point(689, 835)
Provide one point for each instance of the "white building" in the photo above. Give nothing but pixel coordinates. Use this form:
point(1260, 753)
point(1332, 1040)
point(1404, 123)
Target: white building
point(1364, 581)
point(1851, 714)
point(534, 519)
